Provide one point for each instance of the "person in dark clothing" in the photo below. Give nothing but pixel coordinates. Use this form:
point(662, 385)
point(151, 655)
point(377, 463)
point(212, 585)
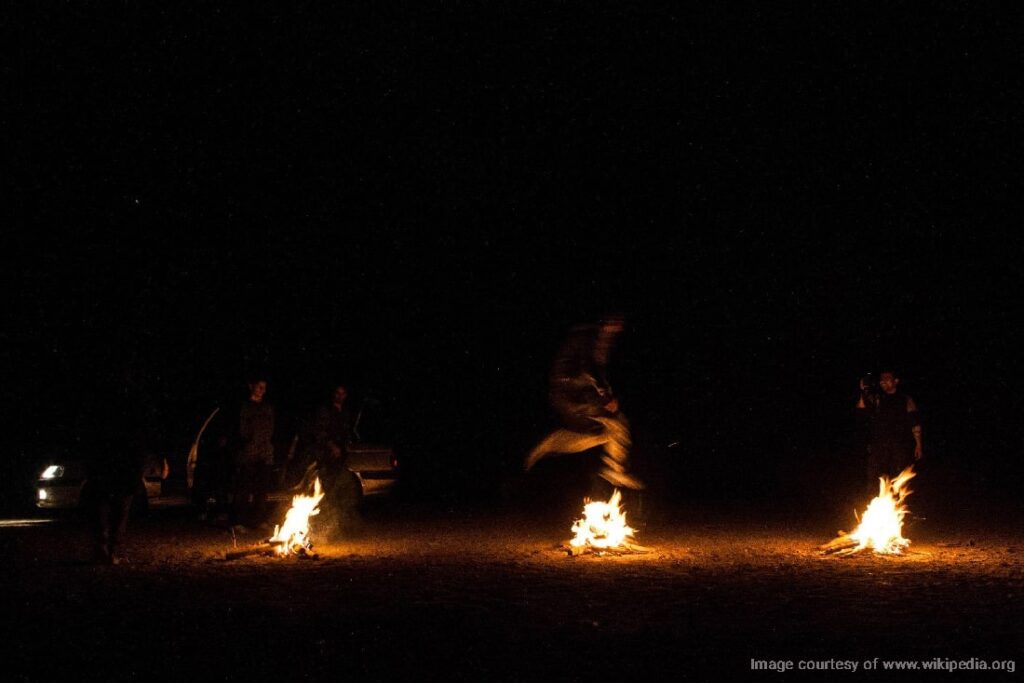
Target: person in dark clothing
point(894, 436)
point(332, 432)
point(583, 399)
point(252, 448)
point(115, 431)
point(332, 429)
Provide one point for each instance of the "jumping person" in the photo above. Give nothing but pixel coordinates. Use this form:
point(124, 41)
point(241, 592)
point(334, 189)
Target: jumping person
point(583, 399)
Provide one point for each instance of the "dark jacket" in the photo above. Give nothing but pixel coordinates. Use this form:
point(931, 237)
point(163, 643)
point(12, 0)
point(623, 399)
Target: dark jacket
point(255, 436)
point(578, 381)
point(579, 388)
point(115, 434)
point(892, 418)
point(331, 427)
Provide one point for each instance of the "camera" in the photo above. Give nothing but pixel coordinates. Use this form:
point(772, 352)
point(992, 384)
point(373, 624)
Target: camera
point(869, 387)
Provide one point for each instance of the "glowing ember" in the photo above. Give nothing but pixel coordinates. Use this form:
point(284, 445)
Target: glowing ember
point(881, 525)
point(603, 526)
point(293, 535)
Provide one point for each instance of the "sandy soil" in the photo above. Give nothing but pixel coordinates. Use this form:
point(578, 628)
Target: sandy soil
point(488, 596)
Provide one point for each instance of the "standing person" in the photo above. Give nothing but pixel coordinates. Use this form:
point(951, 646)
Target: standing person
point(332, 428)
point(894, 436)
point(115, 432)
point(583, 399)
point(253, 450)
point(332, 432)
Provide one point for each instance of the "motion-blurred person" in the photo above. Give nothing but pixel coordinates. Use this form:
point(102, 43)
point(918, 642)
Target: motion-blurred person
point(115, 430)
point(894, 435)
point(583, 399)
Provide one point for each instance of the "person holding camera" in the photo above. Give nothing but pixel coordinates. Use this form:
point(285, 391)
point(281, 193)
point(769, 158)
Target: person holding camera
point(894, 438)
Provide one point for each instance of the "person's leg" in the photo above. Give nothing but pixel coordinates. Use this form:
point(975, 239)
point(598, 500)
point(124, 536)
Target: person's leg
point(564, 441)
point(119, 507)
point(887, 459)
point(876, 466)
point(241, 495)
point(893, 459)
point(224, 487)
point(261, 493)
point(616, 452)
point(101, 526)
point(349, 498)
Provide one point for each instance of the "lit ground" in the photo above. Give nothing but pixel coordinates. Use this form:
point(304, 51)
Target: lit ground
point(488, 597)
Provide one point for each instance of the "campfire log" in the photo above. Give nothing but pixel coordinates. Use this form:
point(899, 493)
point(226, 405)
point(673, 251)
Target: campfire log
point(880, 528)
point(269, 548)
point(264, 549)
point(837, 545)
point(639, 548)
point(624, 549)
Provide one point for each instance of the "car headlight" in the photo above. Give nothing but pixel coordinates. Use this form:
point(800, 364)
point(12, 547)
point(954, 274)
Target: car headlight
point(52, 472)
point(42, 494)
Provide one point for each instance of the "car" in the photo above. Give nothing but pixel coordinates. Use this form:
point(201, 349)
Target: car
point(60, 484)
point(370, 459)
point(373, 464)
point(62, 481)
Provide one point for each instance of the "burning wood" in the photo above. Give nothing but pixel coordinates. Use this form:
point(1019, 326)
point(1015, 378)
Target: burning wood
point(603, 529)
point(881, 525)
point(266, 548)
point(291, 537)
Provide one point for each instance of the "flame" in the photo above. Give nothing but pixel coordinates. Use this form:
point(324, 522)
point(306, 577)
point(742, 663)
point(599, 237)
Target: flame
point(603, 525)
point(293, 535)
point(881, 525)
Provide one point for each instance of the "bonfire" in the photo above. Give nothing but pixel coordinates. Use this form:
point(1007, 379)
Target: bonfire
point(881, 526)
point(603, 528)
point(292, 536)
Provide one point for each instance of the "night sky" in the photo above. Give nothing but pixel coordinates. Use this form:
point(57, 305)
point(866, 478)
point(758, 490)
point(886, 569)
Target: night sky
point(420, 201)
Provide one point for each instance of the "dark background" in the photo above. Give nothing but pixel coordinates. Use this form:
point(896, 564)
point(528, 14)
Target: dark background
point(420, 200)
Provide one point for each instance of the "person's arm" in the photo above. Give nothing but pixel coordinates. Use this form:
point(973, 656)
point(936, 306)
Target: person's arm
point(915, 428)
point(321, 427)
point(275, 435)
point(346, 427)
point(861, 403)
point(322, 441)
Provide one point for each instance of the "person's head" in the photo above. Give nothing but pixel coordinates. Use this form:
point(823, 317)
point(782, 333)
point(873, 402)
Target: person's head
point(888, 381)
point(339, 394)
point(257, 388)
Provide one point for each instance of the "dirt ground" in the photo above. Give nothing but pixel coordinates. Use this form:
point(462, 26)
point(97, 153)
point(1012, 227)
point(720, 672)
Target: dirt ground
point(484, 596)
